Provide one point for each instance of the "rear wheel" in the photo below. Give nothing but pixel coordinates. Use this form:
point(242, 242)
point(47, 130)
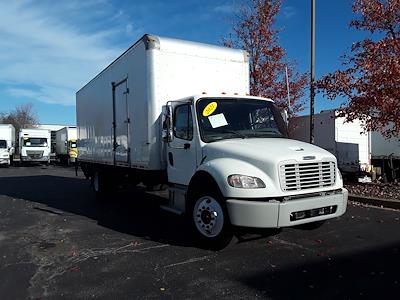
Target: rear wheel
point(102, 185)
point(210, 221)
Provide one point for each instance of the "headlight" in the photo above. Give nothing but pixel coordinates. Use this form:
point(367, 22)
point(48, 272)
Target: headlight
point(6, 155)
point(245, 182)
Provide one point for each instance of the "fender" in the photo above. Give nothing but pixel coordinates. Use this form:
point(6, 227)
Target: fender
point(219, 169)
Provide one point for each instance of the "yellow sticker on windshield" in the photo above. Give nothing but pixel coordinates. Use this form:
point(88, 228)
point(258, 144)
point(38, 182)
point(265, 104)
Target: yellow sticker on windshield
point(209, 109)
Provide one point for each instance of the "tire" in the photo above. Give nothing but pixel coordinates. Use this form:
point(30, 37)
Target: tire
point(101, 184)
point(209, 220)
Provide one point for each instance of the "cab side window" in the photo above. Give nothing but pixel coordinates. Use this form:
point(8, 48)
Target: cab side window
point(183, 122)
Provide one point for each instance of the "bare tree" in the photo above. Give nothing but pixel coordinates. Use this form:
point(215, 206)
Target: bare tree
point(23, 116)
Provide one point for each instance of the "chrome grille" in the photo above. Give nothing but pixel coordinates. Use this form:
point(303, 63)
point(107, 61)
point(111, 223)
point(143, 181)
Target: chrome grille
point(301, 176)
point(34, 154)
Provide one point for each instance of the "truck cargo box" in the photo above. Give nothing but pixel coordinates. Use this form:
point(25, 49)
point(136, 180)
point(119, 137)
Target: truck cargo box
point(119, 111)
point(62, 137)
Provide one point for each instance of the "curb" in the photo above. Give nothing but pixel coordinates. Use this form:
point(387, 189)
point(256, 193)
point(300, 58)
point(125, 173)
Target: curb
point(389, 203)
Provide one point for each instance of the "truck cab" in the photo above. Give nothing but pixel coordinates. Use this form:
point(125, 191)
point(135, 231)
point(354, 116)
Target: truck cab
point(229, 162)
point(4, 153)
point(72, 150)
point(35, 145)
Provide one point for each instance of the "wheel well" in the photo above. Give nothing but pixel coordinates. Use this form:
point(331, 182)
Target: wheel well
point(201, 181)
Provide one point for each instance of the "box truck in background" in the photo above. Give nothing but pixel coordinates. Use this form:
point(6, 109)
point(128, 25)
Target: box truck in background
point(385, 156)
point(176, 112)
point(347, 141)
point(357, 152)
point(66, 149)
point(7, 144)
point(34, 145)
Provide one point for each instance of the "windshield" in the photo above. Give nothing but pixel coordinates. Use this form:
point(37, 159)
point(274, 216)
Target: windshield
point(238, 118)
point(72, 144)
point(35, 142)
point(3, 144)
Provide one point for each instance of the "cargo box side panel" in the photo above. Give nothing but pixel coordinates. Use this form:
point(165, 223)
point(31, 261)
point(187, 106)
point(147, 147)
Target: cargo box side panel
point(94, 120)
point(95, 111)
point(324, 131)
point(382, 147)
point(352, 142)
point(61, 137)
point(71, 133)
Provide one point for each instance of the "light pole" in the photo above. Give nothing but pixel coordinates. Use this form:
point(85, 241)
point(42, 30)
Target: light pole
point(312, 91)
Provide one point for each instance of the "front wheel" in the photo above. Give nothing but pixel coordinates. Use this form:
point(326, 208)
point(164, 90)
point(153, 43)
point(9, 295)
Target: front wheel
point(210, 221)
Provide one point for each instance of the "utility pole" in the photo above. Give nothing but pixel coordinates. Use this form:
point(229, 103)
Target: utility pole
point(312, 91)
point(288, 90)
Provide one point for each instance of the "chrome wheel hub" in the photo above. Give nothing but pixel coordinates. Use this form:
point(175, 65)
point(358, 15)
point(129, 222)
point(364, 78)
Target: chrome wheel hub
point(208, 216)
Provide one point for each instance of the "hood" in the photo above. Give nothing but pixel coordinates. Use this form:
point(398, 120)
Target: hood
point(265, 150)
point(3, 151)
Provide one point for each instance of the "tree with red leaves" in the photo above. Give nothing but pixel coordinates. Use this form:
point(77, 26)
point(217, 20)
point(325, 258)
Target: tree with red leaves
point(254, 31)
point(370, 79)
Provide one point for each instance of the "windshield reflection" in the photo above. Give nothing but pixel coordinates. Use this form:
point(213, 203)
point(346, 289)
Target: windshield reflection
point(239, 118)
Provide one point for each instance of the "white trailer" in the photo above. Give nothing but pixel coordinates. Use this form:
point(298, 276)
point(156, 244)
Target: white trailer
point(385, 156)
point(66, 148)
point(34, 145)
point(346, 140)
point(225, 156)
point(7, 144)
point(356, 150)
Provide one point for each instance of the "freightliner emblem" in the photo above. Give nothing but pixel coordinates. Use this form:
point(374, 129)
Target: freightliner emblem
point(308, 157)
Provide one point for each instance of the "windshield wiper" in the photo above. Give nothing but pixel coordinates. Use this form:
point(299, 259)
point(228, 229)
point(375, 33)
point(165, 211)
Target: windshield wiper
point(235, 133)
point(274, 131)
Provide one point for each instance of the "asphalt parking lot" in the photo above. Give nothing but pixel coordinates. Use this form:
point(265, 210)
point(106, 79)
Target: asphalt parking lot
point(58, 242)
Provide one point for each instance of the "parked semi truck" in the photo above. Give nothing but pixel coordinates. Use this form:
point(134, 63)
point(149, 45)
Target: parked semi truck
point(7, 144)
point(66, 149)
point(176, 112)
point(34, 145)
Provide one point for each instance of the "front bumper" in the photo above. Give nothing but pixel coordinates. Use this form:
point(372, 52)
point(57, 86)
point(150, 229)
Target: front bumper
point(30, 159)
point(273, 214)
point(4, 161)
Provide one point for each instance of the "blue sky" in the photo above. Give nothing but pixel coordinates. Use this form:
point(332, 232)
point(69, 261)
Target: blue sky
point(49, 49)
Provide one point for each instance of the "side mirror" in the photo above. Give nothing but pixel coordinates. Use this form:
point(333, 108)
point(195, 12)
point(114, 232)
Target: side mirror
point(166, 132)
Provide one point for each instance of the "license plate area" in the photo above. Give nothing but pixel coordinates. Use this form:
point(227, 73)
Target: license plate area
point(311, 213)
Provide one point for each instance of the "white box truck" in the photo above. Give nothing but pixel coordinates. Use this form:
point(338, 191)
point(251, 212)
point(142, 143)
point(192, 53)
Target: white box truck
point(66, 149)
point(346, 140)
point(357, 151)
point(176, 112)
point(7, 144)
point(385, 156)
point(34, 145)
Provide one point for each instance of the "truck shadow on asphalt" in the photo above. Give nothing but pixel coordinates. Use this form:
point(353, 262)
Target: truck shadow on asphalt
point(369, 274)
point(134, 212)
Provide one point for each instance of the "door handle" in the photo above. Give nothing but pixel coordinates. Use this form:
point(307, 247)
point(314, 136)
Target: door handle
point(185, 146)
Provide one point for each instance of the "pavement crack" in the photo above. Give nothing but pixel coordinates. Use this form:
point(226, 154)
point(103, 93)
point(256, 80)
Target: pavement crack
point(189, 261)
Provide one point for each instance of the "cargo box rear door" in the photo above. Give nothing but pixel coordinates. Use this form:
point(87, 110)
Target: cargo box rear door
point(121, 122)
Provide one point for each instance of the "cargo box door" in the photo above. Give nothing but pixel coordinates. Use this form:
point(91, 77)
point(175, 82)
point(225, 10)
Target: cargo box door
point(121, 122)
